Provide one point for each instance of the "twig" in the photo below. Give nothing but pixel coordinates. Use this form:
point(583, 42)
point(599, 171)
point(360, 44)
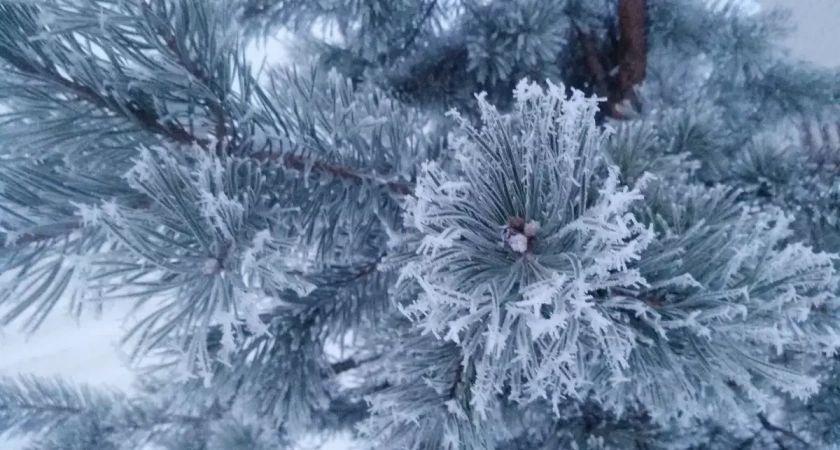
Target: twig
point(459, 375)
point(295, 162)
point(215, 106)
point(350, 364)
point(32, 237)
point(148, 119)
point(416, 31)
point(777, 429)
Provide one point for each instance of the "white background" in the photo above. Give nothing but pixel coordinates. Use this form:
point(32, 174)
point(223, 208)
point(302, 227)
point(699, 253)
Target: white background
point(816, 38)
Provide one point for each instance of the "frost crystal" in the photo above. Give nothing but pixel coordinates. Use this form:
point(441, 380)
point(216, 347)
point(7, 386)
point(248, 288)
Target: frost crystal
point(531, 229)
point(518, 242)
point(212, 266)
point(537, 162)
point(90, 215)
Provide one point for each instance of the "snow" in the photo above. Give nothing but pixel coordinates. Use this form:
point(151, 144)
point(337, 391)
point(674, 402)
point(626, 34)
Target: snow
point(518, 242)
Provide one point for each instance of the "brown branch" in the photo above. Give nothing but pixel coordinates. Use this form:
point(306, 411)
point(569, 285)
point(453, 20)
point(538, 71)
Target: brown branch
point(181, 136)
point(295, 162)
point(168, 130)
point(60, 230)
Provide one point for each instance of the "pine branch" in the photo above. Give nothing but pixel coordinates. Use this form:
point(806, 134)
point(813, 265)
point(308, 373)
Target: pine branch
point(148, 119)
point(47, 233)
point(29, 403)
point(747, 443)
point(214, 335)
point(32, 237)
point(132, 111)
point(415, 33)
point(289, 160)
point(215, 106)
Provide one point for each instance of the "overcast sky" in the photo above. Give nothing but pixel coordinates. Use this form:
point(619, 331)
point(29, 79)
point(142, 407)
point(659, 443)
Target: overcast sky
point(817, 37)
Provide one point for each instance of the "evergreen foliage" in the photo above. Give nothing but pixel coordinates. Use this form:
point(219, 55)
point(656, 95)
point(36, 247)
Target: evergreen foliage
point(524, 224)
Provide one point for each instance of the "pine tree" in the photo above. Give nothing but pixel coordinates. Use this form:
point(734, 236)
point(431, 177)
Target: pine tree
point(525, 224)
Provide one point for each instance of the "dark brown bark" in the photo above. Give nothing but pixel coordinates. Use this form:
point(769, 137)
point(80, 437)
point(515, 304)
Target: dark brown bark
point(632, 17)
point(631, 63)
